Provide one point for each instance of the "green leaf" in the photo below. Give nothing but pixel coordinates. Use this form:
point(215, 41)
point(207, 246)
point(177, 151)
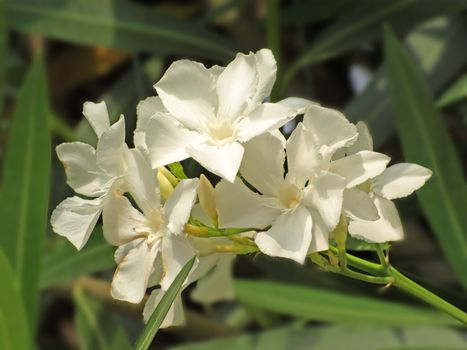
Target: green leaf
point(25, 187)
point(115, 24)
point(338, 337)
point(96, 327)
point(438, 47)
point(3, 54)
point(14, 332)
point(64, 263)
point(300, 12)
point(456, 92)
point(323, 305)
point(362, 24)
point(425, 141)
point(158, 316)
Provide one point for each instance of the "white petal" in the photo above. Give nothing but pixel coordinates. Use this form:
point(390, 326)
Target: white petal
point(176, 252)
point(97, 115)
point(289, 236)
point(266, 68)
point(238, 206)
point(297, 103)
point(146, 109)
point(400, 180)
point(359, 167)
point(141, 182)
point(223, 160)
point(263, 163)
point(387, 228)
point(303, 158)
point(320, 234)
point(266, 117)
point(157, 272)
point(167, 140)
point(124, 249)
point(364, 141)
point(179, 204)
point(187, 91)
point(110, 148)
point(218, 284)
point(203, 264)
point(139, 140)
point(79, 161)
point(121, 222)
point(325, 194)
point(130, 280)
point(75, 218)
point(175, 316)
point(358, 205)
point(236, 86)
point(330, 128)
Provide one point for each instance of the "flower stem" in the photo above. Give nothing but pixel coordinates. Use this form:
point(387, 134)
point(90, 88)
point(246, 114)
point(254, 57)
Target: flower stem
point(390, 275)
point(409, 286)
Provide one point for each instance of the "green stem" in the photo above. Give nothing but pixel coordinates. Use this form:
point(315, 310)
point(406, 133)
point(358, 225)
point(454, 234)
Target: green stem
point(389, 274)
point(362, 264)
point(418, 291)
point(382, 257)
point(365, 278)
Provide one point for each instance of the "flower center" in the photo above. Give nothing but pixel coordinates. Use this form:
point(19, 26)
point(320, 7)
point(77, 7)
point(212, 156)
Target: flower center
point(151, 238)
point(221, 130)
point(290, 196)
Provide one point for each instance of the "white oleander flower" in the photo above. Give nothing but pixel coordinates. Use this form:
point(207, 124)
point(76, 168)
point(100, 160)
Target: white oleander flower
point(211, 112)
point(92, 173)
point(152, 245)
point(396, 181)
point(305, 206)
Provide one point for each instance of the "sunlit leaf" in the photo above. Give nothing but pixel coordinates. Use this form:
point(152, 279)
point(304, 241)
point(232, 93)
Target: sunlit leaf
point(14, 332)
point(425, 141)
point(340, 337)
point(115, 24)
point(323, 305)
point(158, 316)
point(438, 48)
point(25, 187)
point(63, 263)
point(362, 23)
point(456, 92)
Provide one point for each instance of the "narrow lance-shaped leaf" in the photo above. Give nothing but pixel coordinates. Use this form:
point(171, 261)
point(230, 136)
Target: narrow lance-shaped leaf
point(3, 54)
point(115, 24)
point(456, 92)
point(25, 186)
point(14, 333)
point(426, 141)
point(362, 24)
point(322, 305)
point(158, 316)
point(438, 49)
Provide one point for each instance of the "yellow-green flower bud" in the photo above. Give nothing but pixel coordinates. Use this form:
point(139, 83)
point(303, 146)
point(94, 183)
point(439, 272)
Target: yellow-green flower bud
point(207, 198)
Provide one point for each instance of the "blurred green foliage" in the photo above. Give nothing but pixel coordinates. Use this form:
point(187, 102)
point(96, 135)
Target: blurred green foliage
point(116, 50)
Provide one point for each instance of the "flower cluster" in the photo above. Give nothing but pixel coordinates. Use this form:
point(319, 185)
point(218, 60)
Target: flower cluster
point(281, 197)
